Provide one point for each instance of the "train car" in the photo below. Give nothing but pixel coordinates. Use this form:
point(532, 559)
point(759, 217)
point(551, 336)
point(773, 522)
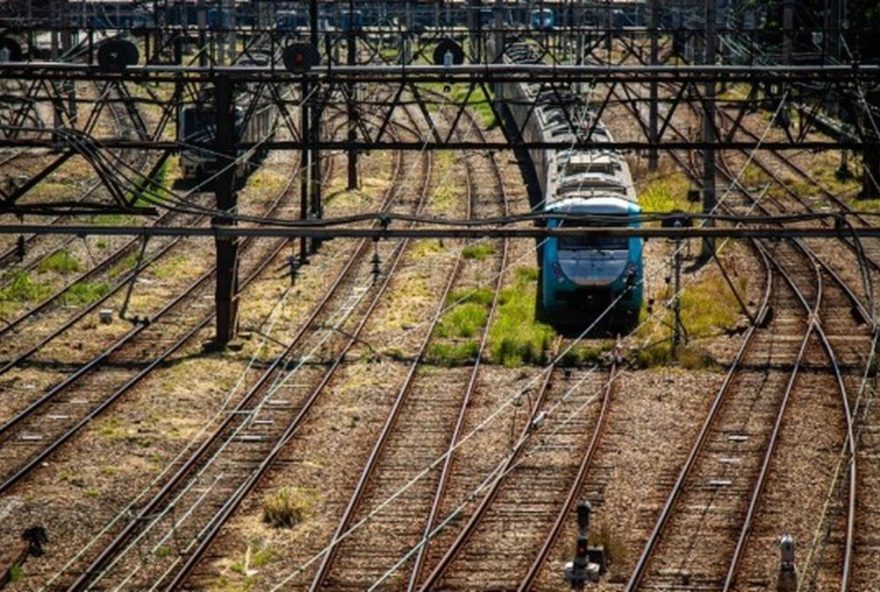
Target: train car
point(543, 19)
point(580, 277)
point(255, 121)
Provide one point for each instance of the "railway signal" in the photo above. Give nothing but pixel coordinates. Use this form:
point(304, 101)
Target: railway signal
point(582, 570)
point(787, 579)
point(117, 54)
point(10, 50)
point(299, 57)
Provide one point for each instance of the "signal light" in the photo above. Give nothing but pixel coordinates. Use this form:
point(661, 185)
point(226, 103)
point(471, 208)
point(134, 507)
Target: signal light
point(448, 53)
point(10, 50)
point(115, 55)
point(299, 57)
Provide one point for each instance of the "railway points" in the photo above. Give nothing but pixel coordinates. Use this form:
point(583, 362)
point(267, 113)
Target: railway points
point(422, 295)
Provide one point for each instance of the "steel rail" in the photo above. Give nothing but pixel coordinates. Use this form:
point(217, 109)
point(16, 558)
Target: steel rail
point(96, 362)
point(822, 266)
point(846, 239)
point(446, 470)
point(379, 446)
point(849, 535)
point(210, 533)
point(12, 252)
point(586, 464)
point(118, 283)
point(702, 436)
point(117, 545)
point(640, 569)
point(479, 513)
point(38, 459)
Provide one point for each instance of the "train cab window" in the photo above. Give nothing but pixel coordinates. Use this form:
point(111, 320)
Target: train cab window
point(596, 243)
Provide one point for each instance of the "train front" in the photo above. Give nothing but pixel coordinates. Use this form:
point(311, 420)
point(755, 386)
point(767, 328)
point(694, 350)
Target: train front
point(584, 275)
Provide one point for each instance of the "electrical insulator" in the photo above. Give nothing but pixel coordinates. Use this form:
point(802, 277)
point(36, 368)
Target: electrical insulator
point(377, 262)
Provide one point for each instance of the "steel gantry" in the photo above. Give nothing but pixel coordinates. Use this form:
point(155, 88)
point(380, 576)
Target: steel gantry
point(588, 59)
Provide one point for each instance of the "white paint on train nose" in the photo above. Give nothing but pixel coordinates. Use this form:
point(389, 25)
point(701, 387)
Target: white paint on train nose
point(594, 268)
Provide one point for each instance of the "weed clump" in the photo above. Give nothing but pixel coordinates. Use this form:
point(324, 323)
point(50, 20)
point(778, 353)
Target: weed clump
point(23, 289)
point(453, 354)
point(287, 506)
point(666, 194)
point(85, 293)
point(479, 251)
point(60, 262)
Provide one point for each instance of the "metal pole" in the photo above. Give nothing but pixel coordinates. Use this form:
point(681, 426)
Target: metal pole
point(350, 107)
point(709, 128)
point(314, 135)
point(653, 154)
point(676, 302)
point(787, 31)
point(224, 189)
point(305, 169)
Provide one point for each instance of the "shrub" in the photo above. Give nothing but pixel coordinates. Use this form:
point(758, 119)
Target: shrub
point(478, 251)
point(287, 506)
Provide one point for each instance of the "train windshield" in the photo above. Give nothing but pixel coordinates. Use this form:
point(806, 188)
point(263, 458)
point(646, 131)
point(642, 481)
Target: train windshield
point(594, 243)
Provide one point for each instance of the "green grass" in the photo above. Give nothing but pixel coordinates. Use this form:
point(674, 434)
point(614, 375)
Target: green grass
point(516, 337)
point(60, 262)
point(465, 320)
point(667, 193)
point(16, 572)
point(585, 355)
point(85, 293)
point(479, 251)
point(423, 248)
point(708, 308)
point(114, 219)
point(171, 267)
point(22, 288)
point(473, 295)
point(145, 192)
point(478, 102)
point(453, 353)
point(256, 555)
point(124, 265)
point(113, 430)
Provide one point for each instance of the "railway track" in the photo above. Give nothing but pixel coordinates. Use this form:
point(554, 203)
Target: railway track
point(35, 249)
point(517, 521)
point(54, 417)
point(686, 536)
point(233, 459)
point(404, 448)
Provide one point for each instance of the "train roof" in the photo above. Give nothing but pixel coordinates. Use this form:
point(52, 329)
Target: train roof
point(592, 205)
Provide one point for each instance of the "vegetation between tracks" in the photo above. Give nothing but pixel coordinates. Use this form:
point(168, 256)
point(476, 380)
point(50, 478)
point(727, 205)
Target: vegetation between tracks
point(517, 337)
point(708, 309)
point(666, 193)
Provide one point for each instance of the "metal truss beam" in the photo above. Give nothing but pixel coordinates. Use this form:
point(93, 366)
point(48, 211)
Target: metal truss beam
point(463, 232)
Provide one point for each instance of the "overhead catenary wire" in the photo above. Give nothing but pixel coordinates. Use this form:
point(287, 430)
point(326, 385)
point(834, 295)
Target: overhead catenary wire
point(491, 417)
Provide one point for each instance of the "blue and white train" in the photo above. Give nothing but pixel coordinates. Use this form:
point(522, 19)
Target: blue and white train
point(580, 277)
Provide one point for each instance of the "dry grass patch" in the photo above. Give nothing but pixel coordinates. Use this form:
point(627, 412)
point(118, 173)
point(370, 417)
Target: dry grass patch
point(288, 506)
